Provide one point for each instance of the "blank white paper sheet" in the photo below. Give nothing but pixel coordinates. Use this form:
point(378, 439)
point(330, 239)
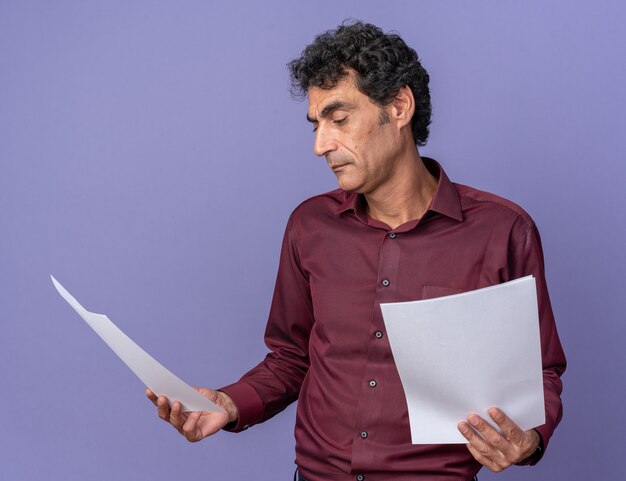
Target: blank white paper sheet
point(160, 380)
point(465, 353)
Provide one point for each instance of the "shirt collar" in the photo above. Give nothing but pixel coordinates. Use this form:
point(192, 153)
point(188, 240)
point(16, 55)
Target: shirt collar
point(445, 201)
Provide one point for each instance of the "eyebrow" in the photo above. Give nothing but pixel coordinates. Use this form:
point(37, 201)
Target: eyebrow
point(330, 108)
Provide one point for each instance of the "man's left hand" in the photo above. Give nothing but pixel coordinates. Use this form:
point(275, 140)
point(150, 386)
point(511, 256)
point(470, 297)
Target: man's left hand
point(497, 450)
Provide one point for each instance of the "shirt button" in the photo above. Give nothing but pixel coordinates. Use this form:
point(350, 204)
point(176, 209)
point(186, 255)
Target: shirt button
point(372, 383)
point(378, 334)
point(386, 282)
point(360, 477)
point(363, 434)
point(392, 235)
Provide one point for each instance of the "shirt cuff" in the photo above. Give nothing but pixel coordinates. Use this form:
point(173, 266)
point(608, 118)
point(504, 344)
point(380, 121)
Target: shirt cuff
point(249, 405)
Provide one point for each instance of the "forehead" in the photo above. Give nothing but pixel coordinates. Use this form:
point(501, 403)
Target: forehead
point(345, 91)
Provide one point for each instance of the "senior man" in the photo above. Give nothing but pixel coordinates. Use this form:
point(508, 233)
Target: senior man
point(397, 229)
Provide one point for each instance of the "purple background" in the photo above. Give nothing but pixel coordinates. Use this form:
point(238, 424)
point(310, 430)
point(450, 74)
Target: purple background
point(150, 155)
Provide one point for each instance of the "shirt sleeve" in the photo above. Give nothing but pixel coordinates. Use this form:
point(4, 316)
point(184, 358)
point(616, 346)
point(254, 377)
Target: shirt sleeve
point(275, 383)
point(526, 258)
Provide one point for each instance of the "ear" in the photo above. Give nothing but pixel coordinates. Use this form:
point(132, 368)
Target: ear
point(403, 106)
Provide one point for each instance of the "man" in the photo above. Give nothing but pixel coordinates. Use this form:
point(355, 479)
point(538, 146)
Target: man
point(396, 230)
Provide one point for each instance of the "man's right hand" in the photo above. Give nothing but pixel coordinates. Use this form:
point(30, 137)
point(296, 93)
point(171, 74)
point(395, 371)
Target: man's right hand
point(196, 425)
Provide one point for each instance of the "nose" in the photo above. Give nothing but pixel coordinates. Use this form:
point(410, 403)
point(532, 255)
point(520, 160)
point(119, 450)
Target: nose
point(324, 143)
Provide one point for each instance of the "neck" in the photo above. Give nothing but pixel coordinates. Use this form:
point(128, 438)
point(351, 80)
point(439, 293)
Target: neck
point(406, 195)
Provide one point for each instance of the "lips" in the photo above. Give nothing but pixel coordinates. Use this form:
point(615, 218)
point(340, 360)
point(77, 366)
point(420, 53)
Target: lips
point(337, 161)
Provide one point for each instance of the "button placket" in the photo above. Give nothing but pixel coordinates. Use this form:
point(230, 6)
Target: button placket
point(368, 414)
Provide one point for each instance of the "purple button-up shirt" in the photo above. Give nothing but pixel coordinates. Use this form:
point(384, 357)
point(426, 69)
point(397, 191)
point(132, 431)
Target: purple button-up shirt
point(328, 344)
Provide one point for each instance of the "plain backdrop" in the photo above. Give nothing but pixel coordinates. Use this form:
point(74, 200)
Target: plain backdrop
point(150, 154)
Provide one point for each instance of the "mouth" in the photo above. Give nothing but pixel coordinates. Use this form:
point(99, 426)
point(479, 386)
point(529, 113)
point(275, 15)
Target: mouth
point(337, 167)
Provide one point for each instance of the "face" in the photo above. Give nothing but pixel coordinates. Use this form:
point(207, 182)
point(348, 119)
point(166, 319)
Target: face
point(359, 139)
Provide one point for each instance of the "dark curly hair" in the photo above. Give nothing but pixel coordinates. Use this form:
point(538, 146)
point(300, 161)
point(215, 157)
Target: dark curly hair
point(383, 64)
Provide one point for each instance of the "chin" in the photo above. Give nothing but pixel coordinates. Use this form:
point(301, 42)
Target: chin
point(348, 184)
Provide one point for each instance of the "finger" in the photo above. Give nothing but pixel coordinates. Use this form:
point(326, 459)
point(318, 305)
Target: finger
point(484, 460)
point(509, 429)
point(481, 450)
point(207, 393)
point(176, 416)
point(475, 440)
point(493, 438)
point(153, 397)
point(163, 408)
point(189, 428)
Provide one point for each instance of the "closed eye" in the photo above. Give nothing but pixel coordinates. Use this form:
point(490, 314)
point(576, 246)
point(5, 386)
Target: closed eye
point(335, 122)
